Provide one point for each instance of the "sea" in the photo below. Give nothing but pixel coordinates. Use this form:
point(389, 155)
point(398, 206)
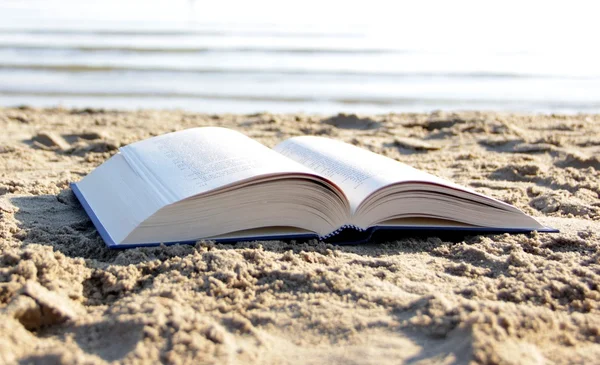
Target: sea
point(301, 56)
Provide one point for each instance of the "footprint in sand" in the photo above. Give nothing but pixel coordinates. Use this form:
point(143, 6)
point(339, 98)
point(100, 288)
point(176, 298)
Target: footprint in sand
point(352, 121)
point(77, 144)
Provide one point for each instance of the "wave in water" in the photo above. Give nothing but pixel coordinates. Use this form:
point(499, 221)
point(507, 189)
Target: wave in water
point(77, 68)
point(192, 49)
point(179, 33)
point(396, 102)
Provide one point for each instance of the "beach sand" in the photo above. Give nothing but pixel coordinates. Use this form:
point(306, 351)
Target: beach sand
point(505, 299)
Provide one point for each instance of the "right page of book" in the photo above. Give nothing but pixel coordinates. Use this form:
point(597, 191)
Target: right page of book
point(357, 171)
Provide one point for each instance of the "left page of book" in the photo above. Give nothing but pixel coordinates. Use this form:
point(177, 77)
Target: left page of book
point(196, 161)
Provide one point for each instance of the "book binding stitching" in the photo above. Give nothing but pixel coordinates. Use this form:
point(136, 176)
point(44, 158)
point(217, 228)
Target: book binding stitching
point(329, 235)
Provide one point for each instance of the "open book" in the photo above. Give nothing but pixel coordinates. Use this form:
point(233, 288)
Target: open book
point(216, 183)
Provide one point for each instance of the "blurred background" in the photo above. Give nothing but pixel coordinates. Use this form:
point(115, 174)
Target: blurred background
point(301, 56)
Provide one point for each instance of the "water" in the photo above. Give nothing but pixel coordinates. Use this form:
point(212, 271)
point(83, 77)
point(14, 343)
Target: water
point(310, 56)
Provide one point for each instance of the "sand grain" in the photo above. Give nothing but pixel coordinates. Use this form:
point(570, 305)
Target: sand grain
point(506, 299)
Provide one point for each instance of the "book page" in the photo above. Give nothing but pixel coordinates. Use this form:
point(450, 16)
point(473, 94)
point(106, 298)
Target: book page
point(199, 160)
point(357, 171)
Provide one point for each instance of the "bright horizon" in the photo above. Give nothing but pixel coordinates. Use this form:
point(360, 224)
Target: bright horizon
point(507, 26)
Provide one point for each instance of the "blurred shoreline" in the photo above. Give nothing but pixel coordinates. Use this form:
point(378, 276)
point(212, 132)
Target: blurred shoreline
point(198, 57)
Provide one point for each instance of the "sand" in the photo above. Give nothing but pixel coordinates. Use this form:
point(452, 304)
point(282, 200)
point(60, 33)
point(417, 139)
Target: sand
point(505, 299)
